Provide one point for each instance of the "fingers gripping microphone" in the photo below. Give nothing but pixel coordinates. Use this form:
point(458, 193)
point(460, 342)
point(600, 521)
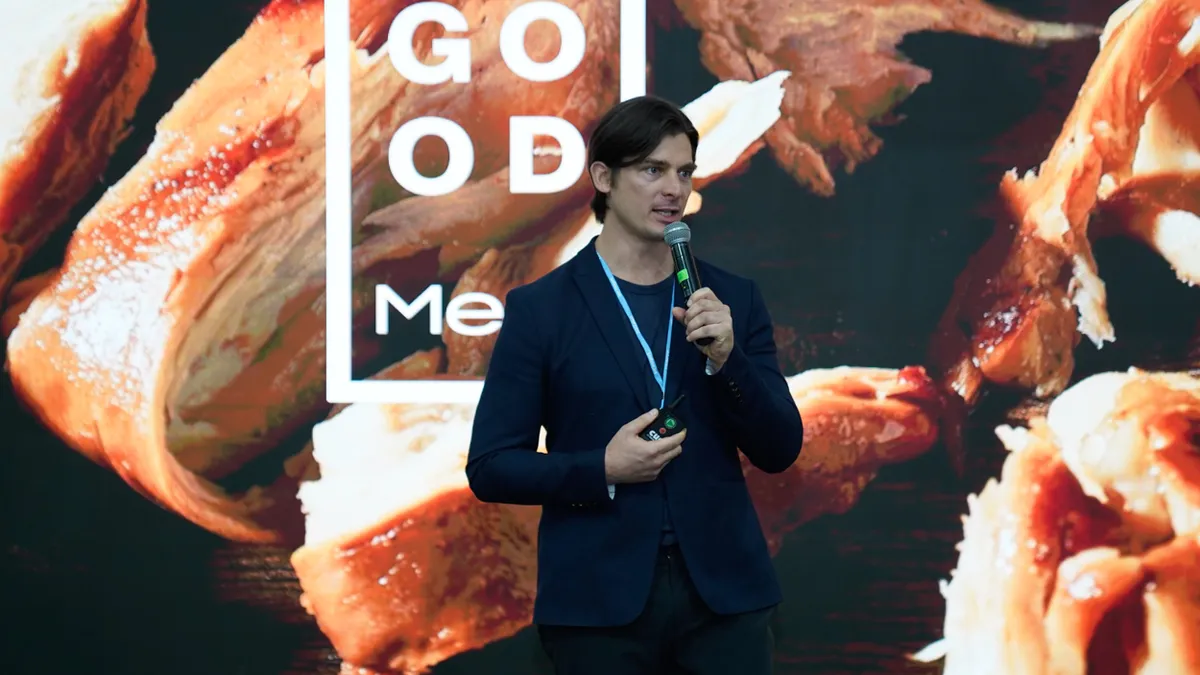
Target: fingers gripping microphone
point(679, 236)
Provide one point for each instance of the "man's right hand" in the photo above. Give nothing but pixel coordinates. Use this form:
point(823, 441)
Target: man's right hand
point(631, 459)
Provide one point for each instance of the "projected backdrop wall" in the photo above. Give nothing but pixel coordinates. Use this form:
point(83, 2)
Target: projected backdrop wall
point(254, 257)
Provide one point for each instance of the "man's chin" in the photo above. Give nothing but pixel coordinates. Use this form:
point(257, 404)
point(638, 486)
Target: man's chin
point(654, 233)
point(655, 227)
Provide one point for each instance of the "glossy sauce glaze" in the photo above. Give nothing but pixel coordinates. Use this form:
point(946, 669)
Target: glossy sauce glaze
point(1083, 556)
point(101, 79)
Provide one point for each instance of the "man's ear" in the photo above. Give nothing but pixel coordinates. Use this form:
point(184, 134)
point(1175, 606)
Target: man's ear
point(602, 177)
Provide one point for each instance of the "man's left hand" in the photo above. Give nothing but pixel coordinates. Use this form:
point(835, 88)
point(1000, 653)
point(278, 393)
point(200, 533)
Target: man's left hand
point(706, 316)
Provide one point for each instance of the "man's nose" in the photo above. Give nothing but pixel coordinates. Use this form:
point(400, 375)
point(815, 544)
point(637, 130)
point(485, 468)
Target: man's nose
point(672, 186)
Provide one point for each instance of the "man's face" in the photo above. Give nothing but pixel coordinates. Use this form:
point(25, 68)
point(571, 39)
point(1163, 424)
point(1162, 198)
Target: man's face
point(646, 197)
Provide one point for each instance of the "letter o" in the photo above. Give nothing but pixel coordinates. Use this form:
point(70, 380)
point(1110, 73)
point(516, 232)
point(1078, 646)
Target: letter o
point(573, 41)
point(458, 168)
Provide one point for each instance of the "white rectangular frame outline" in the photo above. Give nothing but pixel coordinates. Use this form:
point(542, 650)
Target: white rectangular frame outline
point(340, 387)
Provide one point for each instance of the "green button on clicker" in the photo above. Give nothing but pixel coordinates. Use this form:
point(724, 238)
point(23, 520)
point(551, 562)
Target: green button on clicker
point(670, 422)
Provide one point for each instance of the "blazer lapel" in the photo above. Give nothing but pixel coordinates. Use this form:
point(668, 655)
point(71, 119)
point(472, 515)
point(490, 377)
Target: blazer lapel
point(603, 304)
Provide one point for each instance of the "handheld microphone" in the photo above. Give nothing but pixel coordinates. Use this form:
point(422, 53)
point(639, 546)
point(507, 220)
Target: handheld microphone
point(679, 236)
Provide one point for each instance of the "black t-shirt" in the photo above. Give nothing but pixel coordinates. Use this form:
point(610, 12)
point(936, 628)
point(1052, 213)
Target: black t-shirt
point(651, 307)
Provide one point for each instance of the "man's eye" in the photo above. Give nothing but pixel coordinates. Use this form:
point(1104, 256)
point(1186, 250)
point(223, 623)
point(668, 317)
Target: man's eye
point(652, 169)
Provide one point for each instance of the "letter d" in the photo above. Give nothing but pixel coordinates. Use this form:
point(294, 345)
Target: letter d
point(521, 178)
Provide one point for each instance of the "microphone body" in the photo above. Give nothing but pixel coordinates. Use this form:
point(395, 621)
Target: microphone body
point(678, 237)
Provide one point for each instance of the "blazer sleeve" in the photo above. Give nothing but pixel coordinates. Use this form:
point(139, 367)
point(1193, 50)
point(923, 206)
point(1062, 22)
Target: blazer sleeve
point(754, 395)
point(503, 462)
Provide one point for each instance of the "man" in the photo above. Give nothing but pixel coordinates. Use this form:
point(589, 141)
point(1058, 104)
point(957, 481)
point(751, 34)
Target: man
point(650, 555)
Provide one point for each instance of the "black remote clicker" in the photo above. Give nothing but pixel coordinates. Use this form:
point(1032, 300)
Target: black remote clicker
point(668, 423)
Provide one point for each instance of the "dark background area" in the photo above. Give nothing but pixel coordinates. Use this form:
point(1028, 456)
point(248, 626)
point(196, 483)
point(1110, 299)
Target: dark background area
point(96, 579)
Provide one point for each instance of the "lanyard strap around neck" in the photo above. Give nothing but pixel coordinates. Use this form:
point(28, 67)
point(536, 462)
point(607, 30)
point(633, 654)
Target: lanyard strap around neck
point(660, 378)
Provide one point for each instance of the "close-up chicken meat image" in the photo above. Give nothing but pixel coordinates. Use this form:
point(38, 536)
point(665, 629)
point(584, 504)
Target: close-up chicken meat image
point(1094, 522)
point(77, 71)
point(976, 226)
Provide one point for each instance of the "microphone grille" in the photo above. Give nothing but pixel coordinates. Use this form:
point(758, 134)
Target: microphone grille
point(677, 233)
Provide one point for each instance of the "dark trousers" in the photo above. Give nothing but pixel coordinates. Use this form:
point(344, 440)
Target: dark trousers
point(675, 634)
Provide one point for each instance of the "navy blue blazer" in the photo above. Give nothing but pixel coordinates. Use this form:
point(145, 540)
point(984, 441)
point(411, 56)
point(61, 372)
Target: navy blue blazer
point(564, 361)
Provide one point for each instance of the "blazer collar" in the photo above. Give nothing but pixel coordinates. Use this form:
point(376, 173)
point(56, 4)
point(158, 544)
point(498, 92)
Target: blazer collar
point(598, 295)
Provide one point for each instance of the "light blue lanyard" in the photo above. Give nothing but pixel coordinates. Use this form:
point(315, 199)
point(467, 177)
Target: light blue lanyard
point(660, 379)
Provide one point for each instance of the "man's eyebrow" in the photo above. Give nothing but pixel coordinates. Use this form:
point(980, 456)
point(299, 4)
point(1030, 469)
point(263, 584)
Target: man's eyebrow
point(658, 163)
